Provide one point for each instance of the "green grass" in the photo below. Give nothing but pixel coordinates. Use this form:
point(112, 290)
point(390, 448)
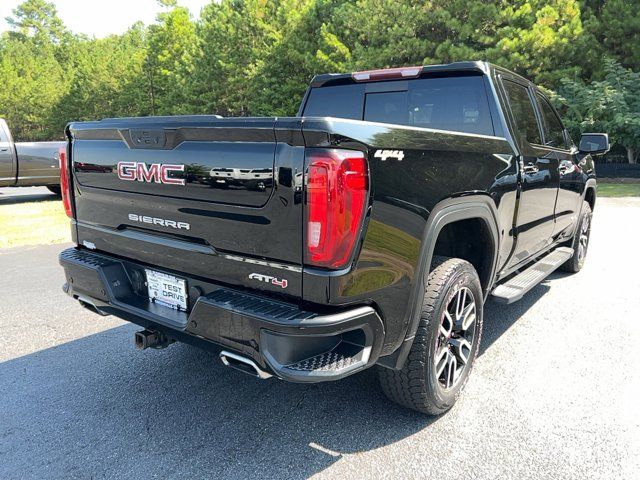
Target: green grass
point(33, 223)
point(619, 189)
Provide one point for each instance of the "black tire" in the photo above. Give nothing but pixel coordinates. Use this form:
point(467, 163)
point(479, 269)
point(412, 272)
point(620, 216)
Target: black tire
point(418, 385)
point(55, 189)
point(580, 242)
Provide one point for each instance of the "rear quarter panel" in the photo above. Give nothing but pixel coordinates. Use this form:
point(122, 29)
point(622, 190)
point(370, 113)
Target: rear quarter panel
point(436, 165)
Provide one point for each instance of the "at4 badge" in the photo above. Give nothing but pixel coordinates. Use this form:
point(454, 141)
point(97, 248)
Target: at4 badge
point(280, 282)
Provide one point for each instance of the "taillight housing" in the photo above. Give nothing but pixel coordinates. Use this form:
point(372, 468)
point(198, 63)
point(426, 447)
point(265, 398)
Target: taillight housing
point(65, 181)
point(337, 185)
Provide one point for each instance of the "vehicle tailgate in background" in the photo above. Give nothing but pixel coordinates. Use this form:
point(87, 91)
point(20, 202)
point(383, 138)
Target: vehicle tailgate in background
point(215, 198)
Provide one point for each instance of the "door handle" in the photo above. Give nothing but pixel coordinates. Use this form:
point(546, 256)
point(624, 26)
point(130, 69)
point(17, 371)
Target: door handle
point(4, 149)
point(530, 168)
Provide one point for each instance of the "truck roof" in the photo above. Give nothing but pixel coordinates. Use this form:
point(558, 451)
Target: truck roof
point(480, 67)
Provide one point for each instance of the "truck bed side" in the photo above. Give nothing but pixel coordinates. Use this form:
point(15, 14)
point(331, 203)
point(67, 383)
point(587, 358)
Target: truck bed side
point(435, 166)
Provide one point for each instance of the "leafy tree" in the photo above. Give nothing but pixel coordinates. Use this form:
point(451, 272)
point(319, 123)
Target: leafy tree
point(256, 57)
point(108, 80)
point(308, 46)
point(533, 37)
point(33, 79)
point(614, 26)
point(610, 105)
point(38, 20)
point(32, 83)
point(539, 39)
point(388, 33)
point(234, 38)
point(170, 59)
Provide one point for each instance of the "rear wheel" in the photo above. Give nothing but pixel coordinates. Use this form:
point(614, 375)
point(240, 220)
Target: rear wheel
point(54, 189)
point(446, 342)
point(580, 243)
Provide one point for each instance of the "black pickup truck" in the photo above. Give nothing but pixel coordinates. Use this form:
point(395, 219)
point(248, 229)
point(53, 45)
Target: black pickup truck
point(29, 164)
point(368, 230)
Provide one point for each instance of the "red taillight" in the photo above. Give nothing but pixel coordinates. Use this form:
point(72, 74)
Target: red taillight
point(65, 181)
point(386, 74)
point(337, 188)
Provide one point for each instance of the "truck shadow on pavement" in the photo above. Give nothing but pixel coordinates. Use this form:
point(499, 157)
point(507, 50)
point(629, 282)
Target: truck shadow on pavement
point(498, 318)
point(96, 407)
point(30, 198)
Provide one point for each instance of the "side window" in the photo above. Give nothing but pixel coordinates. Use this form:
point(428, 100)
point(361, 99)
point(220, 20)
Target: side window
point(553, 130)
point(3, 136)
point(523, 111)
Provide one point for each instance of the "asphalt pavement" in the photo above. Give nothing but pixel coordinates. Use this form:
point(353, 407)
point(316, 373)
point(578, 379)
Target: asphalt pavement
point(555, 392)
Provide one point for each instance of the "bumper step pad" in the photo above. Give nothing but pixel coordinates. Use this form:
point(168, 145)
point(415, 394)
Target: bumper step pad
point(325, 362)
point(515, 288)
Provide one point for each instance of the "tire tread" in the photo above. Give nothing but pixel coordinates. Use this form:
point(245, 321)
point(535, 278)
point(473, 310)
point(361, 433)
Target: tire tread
point(408, 386)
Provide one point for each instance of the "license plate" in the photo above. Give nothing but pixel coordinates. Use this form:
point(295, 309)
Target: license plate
point(167, 290)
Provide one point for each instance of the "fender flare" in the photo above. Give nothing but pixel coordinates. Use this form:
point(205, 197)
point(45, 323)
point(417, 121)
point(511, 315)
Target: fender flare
point(445, 212)
point(590, 183)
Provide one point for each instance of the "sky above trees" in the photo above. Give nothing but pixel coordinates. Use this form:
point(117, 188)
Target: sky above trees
point(101, 18)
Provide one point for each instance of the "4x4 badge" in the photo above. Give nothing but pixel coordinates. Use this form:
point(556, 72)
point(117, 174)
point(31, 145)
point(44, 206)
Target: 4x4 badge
point(383, 155)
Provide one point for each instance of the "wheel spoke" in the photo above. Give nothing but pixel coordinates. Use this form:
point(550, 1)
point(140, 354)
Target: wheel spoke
point(450, 371)
point(446, 327)
point(583, 244)
point(460, 299)
point(584, 240)
point(461, 349)
point(441, 360)
point(468, 316)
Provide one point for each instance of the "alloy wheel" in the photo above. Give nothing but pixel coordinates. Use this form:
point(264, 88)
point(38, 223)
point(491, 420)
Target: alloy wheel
point(583, 243)
point(456, 334)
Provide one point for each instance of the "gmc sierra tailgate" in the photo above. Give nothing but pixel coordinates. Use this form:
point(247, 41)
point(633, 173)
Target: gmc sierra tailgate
point(194, 194)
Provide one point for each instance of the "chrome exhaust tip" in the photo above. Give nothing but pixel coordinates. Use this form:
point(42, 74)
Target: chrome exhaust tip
point(243, 364)
point(90, 305)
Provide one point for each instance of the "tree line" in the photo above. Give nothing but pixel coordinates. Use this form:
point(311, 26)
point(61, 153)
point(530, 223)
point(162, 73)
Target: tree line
point(256, 57)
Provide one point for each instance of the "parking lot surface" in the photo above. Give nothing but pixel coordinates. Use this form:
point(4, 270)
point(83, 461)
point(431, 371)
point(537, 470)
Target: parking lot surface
point(554, 394)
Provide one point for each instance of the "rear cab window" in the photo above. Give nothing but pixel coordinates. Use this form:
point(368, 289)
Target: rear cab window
point(551, 124)
point(457, 104)
point(523, 112)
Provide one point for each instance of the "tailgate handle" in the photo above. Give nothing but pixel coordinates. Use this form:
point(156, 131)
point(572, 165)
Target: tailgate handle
point(147, 138)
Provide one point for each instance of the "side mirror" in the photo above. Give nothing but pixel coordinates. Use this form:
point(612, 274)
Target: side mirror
point(594, 143)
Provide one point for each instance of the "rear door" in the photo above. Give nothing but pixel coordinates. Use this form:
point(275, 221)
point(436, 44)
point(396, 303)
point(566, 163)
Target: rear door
point(539, 174)
point(194, 195)
point(7, 160)
point(571, 182)
point(39, 163)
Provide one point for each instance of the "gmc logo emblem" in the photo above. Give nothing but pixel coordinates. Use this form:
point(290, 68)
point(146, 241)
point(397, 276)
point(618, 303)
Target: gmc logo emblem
point(156, 172)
